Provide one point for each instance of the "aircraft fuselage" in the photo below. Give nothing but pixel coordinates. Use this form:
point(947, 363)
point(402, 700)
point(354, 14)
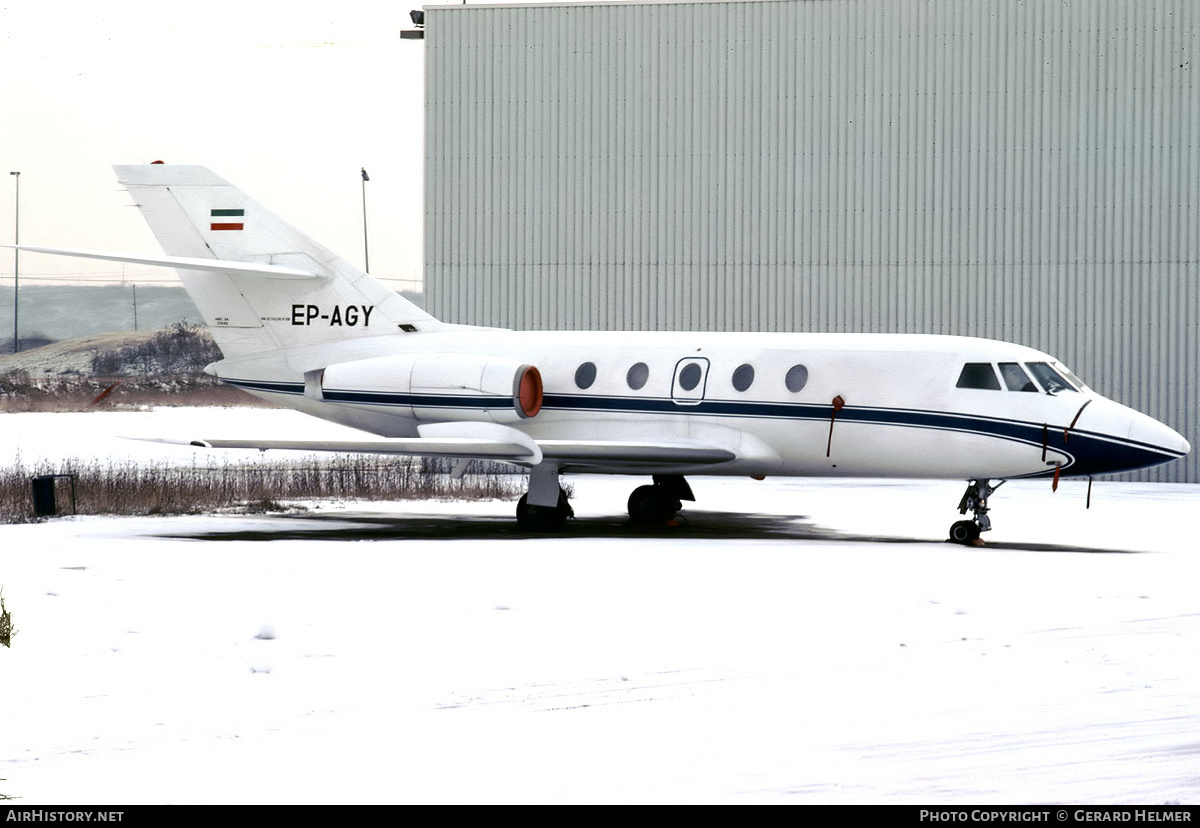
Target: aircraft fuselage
point(768, 398)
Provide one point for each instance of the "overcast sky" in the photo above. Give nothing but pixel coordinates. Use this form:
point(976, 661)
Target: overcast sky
point(285, 100)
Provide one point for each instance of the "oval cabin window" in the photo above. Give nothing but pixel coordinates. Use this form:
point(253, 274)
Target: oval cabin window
point(743, 377)
point(637, 376)
point(796, 379)
point(585, 375)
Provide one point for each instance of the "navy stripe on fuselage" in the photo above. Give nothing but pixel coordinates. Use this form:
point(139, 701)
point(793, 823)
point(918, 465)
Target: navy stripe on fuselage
point(1088, 452)
point(265, 385)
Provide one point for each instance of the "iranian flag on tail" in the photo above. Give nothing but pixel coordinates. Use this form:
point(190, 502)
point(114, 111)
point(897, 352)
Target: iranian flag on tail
point(228, 219)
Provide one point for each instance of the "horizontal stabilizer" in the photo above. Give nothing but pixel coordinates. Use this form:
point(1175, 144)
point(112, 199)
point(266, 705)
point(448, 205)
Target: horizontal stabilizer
point(179, 262)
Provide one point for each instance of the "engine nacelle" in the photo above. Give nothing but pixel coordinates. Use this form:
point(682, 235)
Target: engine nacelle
point(438, 387)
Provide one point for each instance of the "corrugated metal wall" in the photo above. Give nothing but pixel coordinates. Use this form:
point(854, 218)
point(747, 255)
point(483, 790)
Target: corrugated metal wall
point(1027, 170)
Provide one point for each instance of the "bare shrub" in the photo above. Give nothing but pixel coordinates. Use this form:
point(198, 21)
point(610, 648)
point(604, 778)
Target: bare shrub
point(7, 630)
point(179, 349)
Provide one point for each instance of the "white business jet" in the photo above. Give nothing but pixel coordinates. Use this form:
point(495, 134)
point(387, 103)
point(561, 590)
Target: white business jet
point(302, 327)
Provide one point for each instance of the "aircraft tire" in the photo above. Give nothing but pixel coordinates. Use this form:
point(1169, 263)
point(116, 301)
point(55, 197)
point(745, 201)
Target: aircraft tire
point(964, 532)
point(650, 505)
point(543, 518)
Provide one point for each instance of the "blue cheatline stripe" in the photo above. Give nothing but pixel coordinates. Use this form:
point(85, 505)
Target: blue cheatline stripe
point(418, 400)
point(1088, 452)
point(266, 385)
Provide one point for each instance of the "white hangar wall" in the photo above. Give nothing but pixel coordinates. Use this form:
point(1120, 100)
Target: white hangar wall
point(1027, 170)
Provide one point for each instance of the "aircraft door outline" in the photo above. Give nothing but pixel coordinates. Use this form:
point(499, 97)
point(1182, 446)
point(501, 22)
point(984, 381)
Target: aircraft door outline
point(690, 380)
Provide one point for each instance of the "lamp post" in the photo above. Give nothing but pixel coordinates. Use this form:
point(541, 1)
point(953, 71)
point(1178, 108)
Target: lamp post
point(366, 253)
point(17, 265)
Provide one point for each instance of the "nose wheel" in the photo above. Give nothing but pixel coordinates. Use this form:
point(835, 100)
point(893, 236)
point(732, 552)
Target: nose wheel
point(974, 500)
point(964, 532)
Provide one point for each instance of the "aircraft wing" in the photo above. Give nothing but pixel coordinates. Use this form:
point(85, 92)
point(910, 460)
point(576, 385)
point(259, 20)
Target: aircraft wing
point(526, 452)
point(461, 447)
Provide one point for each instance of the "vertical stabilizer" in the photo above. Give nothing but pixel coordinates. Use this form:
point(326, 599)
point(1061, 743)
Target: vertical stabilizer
point(195, 213)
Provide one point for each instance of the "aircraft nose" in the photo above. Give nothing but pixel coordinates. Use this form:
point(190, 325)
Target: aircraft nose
point(1151, 432)
point(1127, 440)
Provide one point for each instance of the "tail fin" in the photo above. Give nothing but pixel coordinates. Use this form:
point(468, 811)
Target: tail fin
point(196, 214)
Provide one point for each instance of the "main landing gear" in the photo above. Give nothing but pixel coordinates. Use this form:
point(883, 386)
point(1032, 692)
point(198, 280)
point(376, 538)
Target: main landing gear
point(657, 504)
point(545, 507)
point(543, 518)
point(974, 499)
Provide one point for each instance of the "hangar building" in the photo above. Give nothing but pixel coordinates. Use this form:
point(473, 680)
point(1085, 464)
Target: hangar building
point(1027, 170)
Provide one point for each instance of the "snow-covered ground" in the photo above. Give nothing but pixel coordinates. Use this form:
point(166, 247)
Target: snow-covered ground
point(795, 641)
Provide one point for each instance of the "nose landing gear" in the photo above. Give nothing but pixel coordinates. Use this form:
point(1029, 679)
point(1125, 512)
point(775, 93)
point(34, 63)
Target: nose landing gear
point(974, 499)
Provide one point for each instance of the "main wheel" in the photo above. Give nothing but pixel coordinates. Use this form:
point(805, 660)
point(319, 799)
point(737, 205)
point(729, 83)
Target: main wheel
point(543, 518)
point(650, 504)
point(964, 531)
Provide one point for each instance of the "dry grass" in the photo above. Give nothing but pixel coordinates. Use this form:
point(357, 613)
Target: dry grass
point(162, 489)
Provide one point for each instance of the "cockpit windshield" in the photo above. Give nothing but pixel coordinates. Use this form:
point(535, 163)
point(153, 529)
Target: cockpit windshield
point(1049, 378)
point(1015, 378)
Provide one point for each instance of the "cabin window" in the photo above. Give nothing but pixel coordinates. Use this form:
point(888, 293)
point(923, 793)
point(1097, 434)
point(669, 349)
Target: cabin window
point(637, 376)
point(796, 379)
point(1050, 379)
point(979, 375)
point(585, 375)
point(690, 376)
point(1015, 378)
point(743, 377)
